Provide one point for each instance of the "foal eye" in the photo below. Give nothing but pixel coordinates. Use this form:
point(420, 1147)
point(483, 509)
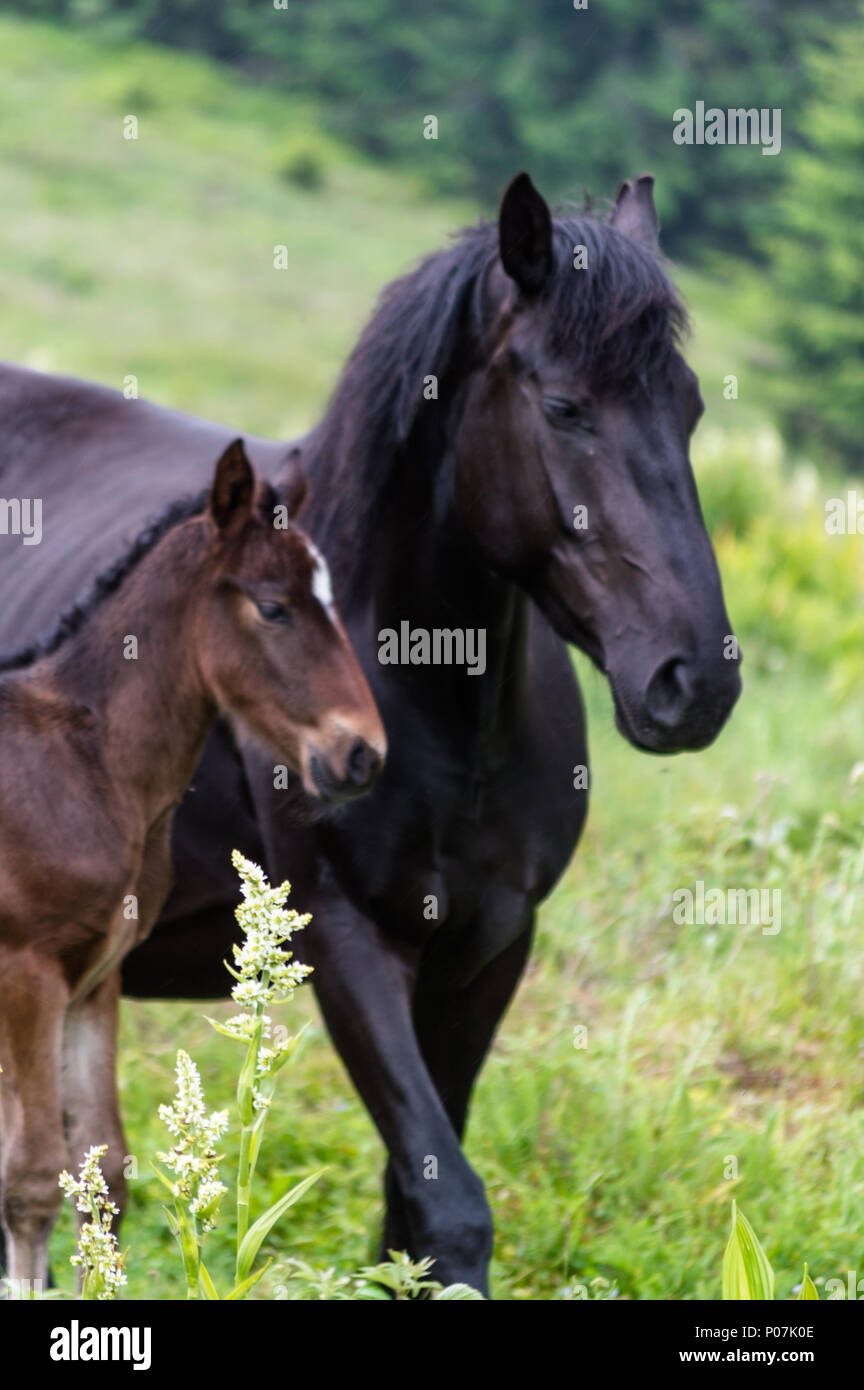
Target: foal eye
point(274, 612)
point(564, 412)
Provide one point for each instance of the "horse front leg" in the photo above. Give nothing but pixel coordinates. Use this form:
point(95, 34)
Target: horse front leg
point(33, 999)
point(365, 983)
point(456, 1025)
point(91, 1109)
point(455, 1028)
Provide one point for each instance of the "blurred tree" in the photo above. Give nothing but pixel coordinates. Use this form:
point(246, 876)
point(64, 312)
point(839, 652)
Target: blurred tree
point(580, 97)
point(815, 254)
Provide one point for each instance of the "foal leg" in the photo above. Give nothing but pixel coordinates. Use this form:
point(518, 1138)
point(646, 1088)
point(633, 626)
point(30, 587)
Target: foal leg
point(33, 997)
point(91, 1110)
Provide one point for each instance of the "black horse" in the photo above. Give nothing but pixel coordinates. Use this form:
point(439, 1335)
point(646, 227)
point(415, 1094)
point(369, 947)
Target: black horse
point(506, 455)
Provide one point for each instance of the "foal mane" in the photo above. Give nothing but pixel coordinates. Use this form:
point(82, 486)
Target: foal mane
point(105, 584)
point(615, 321)
point(111, 579)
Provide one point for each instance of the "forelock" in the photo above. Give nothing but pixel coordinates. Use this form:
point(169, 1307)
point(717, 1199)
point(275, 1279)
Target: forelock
point(618, 318)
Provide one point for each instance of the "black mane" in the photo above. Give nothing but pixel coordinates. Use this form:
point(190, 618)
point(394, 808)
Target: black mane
point(110, 580)
point(617, 320)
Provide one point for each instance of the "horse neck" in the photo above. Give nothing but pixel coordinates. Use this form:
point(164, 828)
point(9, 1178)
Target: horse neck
point(404, 554)
point(150, 705)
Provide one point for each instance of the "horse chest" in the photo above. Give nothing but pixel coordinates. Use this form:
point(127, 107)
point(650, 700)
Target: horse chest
point(472, 865)
point(507, 815)
point(494, 850)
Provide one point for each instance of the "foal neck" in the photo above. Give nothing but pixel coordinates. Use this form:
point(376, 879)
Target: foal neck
point(132, 666)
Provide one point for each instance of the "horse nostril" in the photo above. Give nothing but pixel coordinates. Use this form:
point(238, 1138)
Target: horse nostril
point(669, 692)
point(362, 763)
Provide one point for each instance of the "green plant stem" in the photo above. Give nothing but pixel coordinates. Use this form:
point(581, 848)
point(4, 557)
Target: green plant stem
point(193, 1280)
point(246, 1161)
point(244, 1186)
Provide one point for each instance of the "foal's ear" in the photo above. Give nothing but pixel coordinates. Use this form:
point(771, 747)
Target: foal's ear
point(634, 212)
point(291, 482)
point(233, 487)
point(525, 235)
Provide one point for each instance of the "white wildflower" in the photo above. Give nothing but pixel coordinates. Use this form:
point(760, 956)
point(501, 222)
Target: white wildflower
point(98, 1253)
point(193, 1158)
point(265, 972)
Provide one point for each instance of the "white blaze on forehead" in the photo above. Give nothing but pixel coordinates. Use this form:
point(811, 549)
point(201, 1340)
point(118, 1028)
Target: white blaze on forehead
point(322, 587)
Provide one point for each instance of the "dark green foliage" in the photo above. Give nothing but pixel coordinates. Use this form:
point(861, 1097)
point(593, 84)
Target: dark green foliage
point(815, 250)
point(580, 97)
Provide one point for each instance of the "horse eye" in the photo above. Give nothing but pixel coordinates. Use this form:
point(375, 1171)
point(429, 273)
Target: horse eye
point(565, 412)
point(274, 612)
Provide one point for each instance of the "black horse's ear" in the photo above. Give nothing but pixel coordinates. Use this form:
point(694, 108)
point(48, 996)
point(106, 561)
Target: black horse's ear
point(525, 235)
point(233, 488)
point(634, 212)
point(291, 482)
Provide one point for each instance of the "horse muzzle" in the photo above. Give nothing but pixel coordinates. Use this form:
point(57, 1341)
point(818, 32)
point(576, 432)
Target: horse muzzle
point(349, 774)
point(681, 707)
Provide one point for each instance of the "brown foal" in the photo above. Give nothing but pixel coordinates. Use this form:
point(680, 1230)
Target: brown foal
point(223, 606)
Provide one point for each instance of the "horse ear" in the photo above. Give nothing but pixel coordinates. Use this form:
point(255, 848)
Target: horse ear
point(634, 212)
point(291, 482)
point(525, 235)
point(233, 488)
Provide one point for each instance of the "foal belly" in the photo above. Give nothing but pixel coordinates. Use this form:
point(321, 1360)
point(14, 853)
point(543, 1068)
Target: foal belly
point(129, 916)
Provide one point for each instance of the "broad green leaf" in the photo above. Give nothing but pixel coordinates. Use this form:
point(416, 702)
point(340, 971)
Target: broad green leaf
point(246, 1080)
point(208, 1285)
point(226, 1032)
point(808, 1288)
point(165, 1181)
point(747, 1273)
point(173, 1224)
point(290, 1049)
point(208, 1211)
point(261, 1229)
point(257, 1127)
point(188, 1246)
point(386, 1275)
point(243, 1288)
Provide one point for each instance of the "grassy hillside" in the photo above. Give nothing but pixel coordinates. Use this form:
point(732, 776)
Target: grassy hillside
point(155, 257)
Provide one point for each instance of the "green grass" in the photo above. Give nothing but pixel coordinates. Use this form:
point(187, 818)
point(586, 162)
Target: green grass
point(704, 1045)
